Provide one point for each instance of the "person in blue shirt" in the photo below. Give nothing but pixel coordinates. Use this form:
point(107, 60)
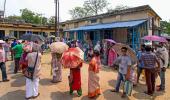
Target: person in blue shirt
point(14, 43)
point(140, 64)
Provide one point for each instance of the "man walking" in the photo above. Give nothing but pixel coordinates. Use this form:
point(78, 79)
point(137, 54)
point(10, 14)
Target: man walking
point(140, 64)
point(18, 49)
point(13, 44)
point(150, 61)
point(124, 62)
point(2, 64)
point(163, 57)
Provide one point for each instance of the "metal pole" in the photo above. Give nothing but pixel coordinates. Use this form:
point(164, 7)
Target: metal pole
point(4, 9)
point(56, 17)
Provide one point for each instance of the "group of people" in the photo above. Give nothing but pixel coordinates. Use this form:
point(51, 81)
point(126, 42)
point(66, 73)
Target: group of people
point(75, 73)
point(27, 56)
point(154, 61)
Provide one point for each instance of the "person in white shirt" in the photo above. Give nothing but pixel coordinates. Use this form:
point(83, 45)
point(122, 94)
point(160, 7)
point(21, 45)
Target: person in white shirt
point(2, 64)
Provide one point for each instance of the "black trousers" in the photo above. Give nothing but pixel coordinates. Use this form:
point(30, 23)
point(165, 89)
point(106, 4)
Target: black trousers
point(16, 65)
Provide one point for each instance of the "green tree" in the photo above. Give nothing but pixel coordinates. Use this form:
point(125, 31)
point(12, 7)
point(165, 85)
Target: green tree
point(44, 20)
point(165, 27)
point(90, 7)
point(117, 8)
point(27, 15)
point(14, 18)
point(95, 6)
point(79, 12)
point(51, 20)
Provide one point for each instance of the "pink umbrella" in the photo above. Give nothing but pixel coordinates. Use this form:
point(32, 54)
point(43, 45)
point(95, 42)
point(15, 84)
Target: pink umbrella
point(110, 40)
point(155, 38)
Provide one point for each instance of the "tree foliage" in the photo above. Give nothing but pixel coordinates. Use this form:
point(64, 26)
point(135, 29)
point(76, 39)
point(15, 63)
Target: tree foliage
point(95, 6)
point(90, 7)
point(14, 18)
point(29, 16)
point(51, 20)
point(79, 12)
point(165, 26)
point(117, 8)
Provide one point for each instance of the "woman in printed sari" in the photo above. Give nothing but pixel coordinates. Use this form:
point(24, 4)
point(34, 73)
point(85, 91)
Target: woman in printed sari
point(56, 67)
point(75, 80)
point(93, 80)
point(111, 57)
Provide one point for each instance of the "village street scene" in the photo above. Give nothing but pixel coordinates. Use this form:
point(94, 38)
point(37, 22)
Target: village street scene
point(84, 50)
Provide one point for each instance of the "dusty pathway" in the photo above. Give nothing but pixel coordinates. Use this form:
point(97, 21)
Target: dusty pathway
point(15, 89)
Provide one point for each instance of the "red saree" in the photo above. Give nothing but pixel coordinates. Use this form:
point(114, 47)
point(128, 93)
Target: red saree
point(75, 78)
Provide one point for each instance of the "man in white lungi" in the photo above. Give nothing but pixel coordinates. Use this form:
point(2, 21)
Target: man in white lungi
point(32, 85)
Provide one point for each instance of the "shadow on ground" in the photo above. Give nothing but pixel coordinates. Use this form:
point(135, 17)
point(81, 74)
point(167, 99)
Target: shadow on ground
point(19, 80)
point(108, 95)
point(11, 68)
point(46, 81)
point(112, 83)
point(87, 98)
point(62, 96)
point(19, 94)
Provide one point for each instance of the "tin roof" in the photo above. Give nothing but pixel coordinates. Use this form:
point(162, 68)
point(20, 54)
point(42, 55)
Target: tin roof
point(121, 24)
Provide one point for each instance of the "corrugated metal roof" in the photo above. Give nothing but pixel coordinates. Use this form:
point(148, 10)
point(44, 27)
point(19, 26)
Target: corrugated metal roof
point(122, 24)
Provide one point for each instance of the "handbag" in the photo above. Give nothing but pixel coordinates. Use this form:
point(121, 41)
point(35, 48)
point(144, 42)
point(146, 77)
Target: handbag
point(29, 72)
point(128, 87)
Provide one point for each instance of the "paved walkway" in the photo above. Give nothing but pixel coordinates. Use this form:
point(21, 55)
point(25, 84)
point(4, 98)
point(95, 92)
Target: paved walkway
point(15, 89)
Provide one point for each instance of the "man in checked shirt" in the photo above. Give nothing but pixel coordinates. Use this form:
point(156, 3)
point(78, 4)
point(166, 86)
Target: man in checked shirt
point(150, 61)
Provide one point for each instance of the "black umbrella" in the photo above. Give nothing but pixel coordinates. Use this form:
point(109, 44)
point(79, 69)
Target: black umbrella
point(33, 37)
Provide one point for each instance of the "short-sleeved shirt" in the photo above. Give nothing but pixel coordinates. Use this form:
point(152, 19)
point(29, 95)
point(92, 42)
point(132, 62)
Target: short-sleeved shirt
point(124, 62)
point(2, 55)
point(149, 60)
point(13, 44)
point(18, 49)
point(31, 58)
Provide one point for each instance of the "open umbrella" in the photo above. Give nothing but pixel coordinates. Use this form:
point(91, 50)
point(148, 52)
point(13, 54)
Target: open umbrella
point(72, 57)
point(51, 36)
point(2, 42)
point(58, 47)
point(154, 38)
point(110, 40)
point(117, 47)
point(9, 37)
point(33, 37)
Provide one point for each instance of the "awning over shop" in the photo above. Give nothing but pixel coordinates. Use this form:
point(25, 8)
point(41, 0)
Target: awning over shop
point(122, 24)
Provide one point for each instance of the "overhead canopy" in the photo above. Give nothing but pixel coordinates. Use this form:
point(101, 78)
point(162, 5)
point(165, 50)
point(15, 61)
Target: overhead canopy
point(122, 24)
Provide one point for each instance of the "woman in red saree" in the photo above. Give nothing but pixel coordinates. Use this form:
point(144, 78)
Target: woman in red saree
point(75, 80)
point(93, 80)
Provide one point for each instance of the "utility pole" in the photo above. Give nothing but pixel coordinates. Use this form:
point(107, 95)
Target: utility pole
point(4, 9)
point(57, 18)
